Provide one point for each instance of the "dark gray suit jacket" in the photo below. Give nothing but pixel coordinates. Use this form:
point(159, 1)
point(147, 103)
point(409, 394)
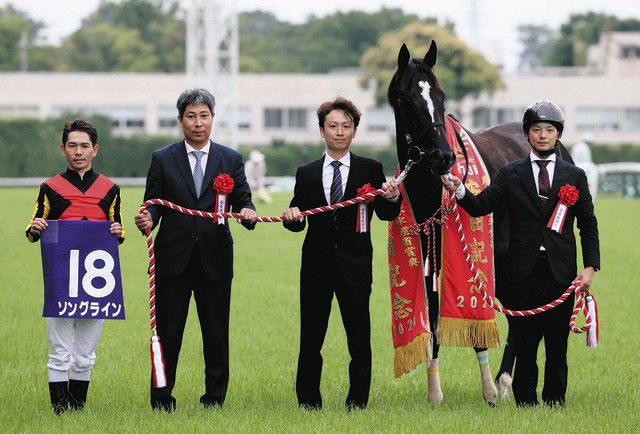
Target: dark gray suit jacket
point(170, 178)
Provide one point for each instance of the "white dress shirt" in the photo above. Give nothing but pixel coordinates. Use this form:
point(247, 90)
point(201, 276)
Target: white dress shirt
point(536, 169)
point(460, 191)
point(327, 174)
point(192, 157)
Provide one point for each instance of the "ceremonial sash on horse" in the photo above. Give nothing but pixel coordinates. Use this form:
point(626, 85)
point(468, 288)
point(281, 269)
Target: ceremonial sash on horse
point(409, 321)
point(466, 320)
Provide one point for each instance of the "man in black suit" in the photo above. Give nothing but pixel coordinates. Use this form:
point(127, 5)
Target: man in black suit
point(541, 262)
point(194, 253)
point(335, 256)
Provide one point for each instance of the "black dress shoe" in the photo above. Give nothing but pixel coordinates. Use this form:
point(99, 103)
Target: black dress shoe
point(210, 401)
point(164, 403)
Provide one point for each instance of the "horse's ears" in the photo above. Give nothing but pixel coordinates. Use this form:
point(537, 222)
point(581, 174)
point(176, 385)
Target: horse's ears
point(432, 55)
point(403, 58)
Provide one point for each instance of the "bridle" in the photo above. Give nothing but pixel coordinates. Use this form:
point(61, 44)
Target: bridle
point(415, 151)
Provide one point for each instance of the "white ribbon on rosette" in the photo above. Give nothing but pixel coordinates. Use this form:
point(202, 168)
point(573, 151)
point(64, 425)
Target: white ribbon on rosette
point(362, 219)
point(568, 195)
point(223, 185)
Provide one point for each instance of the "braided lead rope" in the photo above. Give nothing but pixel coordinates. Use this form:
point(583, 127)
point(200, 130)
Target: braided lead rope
point(574, 287)
point(152, 262)
point(206, 214)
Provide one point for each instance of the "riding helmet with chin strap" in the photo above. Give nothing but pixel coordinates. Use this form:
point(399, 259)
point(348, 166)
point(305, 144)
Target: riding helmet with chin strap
point(543, 111)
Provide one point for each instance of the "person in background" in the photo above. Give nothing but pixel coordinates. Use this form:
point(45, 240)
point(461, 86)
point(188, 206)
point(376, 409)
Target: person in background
point(256, 170)
point(581, 155)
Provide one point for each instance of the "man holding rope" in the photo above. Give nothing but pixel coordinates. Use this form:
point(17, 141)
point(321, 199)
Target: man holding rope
point(193, 253)
point(544, 196)
point(337, 251)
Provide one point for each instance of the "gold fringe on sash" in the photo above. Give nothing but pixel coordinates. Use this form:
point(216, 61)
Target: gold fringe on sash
point(461, 332)
point(408, 356)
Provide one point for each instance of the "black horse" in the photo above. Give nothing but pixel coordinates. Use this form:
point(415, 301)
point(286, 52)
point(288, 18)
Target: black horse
point(418, 104)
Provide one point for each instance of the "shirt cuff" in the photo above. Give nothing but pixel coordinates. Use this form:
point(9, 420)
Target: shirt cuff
point(460, 191)
point(395, 199)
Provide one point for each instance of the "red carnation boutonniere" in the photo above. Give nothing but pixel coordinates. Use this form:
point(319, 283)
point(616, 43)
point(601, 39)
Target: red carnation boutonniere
point(366, 189)
point(223, 185)
point(362, 218)
point(568, 196)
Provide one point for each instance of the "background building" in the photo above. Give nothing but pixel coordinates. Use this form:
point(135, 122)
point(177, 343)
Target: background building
point(599, 99)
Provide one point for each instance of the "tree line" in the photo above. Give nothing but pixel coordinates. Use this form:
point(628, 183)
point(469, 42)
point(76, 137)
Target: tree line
point(31, 149)
point(149, 36)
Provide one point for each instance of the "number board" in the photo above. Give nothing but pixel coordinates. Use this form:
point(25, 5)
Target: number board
point(81, 270)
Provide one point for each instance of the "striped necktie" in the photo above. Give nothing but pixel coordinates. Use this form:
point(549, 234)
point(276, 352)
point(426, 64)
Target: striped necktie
point(336, 185)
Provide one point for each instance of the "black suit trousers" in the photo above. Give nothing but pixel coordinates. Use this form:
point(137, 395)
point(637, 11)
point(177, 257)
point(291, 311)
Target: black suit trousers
point(315, 306)
point(173, 295)
point(552, 326)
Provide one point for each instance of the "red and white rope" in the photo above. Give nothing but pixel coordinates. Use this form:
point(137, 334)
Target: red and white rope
point(206, 214)
point(574, 287)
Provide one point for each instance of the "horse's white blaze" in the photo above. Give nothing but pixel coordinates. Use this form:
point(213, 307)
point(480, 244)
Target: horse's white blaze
point(426, 94)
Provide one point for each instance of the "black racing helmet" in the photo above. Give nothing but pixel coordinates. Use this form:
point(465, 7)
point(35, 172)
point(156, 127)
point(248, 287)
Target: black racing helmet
point(543, 111)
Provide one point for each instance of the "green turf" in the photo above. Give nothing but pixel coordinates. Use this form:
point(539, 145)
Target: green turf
point(603, 383)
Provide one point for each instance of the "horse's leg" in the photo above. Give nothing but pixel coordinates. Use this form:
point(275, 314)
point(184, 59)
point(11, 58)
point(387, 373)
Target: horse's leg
point(503, 377)
point(434, 391)
point(489, 390)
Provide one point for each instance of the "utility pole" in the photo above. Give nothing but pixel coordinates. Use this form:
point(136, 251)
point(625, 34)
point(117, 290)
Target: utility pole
point(212, 60)
point(24, 50)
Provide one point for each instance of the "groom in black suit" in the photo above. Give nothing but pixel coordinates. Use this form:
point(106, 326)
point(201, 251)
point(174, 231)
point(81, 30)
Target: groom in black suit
point(541, 262)
point(194, 254)
point(336, 258)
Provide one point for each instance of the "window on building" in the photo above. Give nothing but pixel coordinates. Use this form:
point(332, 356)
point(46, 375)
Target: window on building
point(297, 118)
point(481, 117)
point(122, 118)
point(167, 117)
point(273, 118)
point(630, 52)
point(509, 115)
point(380, 119)
point(30, 111)
point(624, 119)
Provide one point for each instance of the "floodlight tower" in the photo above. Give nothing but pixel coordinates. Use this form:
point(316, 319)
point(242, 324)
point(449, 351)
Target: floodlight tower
point(212, 59)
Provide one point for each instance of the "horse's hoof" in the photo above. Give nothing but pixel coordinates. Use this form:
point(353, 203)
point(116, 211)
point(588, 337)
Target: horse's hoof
point(490, 393)
point(435, 399)
point(504, 384)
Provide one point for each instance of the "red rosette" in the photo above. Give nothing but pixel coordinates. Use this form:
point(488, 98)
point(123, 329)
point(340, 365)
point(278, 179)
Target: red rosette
point(223, 184)
point(568, 194)
point(366, 189)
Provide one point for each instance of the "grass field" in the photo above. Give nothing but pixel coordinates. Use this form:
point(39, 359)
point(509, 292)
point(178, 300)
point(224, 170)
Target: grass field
point(603, 393)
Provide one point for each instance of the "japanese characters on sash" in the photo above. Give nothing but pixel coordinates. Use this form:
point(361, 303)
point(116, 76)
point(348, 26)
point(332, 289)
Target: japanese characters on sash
point(466, 320)
point(81, 271)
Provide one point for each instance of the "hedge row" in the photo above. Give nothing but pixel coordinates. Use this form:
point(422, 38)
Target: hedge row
point(30, 149)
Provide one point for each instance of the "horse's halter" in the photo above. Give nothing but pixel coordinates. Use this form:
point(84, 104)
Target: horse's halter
point(416, 152)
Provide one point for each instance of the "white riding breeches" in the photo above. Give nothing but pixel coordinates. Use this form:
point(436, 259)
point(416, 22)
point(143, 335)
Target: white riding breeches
point(72, 347)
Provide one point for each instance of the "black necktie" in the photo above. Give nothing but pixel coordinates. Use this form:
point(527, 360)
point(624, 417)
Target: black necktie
point(544, 186)
point(336, 185)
